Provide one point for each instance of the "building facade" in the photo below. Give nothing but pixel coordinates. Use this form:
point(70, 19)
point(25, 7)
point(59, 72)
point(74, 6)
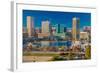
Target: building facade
point(45, 26)
point(30, 26)
point(75, 29)
point(59, 28)
point(84, 35)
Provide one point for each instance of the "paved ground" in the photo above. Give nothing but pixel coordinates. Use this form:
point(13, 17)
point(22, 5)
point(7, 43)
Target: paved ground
point(36, 58)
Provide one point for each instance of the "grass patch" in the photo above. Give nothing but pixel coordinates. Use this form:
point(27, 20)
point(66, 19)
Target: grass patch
point(39, 54)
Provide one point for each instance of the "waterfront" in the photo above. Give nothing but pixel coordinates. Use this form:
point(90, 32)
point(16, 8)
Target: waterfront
point(66, 36)
point(50, 43)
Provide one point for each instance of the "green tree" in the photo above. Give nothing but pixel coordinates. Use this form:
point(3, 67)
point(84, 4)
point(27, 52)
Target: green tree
point(88, 52)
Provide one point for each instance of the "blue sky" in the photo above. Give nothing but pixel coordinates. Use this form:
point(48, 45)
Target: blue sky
point(63, 18)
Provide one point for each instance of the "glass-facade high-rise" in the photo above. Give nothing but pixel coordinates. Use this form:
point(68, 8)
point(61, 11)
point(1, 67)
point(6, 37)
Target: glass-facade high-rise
point(75, 29)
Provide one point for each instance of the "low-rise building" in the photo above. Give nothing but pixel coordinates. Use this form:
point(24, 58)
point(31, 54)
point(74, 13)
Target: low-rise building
point(41, 35)
point(84, 35)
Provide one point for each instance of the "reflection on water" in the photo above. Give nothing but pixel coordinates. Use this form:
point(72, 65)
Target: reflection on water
point(60, 43)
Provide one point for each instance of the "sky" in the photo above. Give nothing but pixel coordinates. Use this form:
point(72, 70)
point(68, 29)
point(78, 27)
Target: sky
point(55, 17)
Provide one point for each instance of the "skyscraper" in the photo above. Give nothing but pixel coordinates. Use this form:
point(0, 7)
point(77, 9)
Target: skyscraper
point(30, 26)
point(65, 29)
point(58, 28)
point(75, 29)
point(45, 26)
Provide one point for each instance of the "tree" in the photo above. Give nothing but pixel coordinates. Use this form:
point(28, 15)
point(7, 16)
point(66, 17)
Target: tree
point(88, 52)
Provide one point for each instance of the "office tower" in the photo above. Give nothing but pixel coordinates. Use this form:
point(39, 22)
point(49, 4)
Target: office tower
point(75, 29)
point(58, 28)
point(53, 30)
point(68, 33)
point(65, 29)
point(30, 26)
point(87, 28)
point(45, 26)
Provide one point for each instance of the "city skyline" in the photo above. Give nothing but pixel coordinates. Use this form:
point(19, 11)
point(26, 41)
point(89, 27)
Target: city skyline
point(56, 36)
point(63, 18)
